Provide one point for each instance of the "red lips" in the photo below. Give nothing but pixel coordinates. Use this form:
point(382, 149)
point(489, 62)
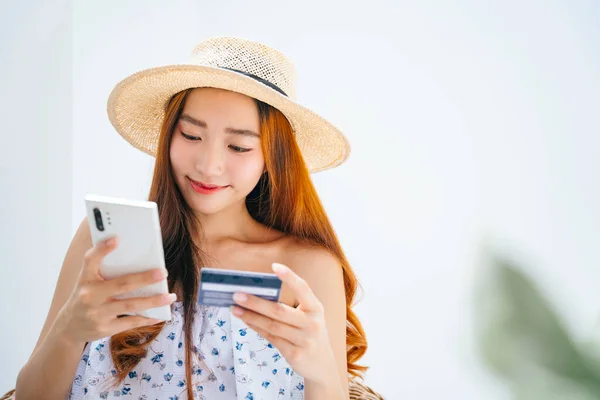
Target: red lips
point(204, 188)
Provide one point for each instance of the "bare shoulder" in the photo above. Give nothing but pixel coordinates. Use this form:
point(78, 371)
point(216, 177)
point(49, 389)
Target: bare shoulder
point(309, 258)
point(319, 267)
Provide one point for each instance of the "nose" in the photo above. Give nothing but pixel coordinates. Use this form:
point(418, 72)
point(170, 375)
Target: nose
point(210, 160)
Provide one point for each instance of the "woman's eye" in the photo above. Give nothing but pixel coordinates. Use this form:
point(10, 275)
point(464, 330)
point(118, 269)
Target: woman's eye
point(190, 137)
point(238, 149)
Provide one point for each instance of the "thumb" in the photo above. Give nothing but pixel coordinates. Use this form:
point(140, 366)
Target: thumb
point(93, 259)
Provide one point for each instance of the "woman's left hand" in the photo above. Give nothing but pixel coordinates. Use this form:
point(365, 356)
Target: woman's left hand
point(300, 333)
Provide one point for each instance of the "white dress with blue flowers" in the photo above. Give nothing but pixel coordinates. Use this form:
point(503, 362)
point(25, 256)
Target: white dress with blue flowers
point(241, 364)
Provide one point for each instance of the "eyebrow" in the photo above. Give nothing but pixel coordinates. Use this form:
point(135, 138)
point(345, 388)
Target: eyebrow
point(202, 124)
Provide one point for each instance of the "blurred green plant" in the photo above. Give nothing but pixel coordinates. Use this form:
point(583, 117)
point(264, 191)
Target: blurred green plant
point(524, 342)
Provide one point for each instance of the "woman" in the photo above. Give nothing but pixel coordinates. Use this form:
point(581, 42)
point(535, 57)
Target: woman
point(231, 180)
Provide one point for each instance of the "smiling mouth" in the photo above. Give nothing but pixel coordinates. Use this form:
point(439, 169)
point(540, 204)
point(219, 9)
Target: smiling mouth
point(205, 188)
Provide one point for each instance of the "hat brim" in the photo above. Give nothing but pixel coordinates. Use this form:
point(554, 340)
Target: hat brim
point(136, 109)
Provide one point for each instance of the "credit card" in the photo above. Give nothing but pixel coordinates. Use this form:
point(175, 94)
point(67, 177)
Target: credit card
point(217, 286)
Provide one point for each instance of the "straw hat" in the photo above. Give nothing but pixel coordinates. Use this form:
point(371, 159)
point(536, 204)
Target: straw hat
point(136, 106)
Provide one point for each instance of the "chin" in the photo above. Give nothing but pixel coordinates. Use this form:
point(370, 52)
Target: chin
point(206, 206)
point(207, 209)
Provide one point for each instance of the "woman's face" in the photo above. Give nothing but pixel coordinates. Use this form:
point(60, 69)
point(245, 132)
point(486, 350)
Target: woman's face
point(216, 144)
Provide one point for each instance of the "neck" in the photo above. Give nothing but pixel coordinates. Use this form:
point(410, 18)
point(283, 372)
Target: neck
point(234, 222)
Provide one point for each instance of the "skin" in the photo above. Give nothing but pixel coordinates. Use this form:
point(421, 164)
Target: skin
point(308, 325)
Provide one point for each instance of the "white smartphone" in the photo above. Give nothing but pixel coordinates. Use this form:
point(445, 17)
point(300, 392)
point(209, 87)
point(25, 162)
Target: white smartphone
point(140, 248)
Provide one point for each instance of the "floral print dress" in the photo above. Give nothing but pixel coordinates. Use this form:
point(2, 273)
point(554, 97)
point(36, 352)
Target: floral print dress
point(237, 363)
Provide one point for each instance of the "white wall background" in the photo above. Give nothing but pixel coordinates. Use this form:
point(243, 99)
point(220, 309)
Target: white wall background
point(36, 169)
point(464, 118)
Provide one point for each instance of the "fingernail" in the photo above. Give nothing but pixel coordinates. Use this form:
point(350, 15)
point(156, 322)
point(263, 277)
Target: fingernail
point(282, 269)
point(110, 242)
point(240, 297)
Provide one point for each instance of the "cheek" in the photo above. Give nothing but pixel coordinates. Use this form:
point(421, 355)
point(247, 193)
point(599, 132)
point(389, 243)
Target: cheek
point(247, 169)
point(175, 165)
point(178, 155)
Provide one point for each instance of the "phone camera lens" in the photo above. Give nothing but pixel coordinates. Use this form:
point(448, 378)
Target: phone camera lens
point(98, 217)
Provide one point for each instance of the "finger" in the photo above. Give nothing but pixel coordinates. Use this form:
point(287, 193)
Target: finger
point(131, 322)
point(278, 311)
point(307, 299)
point(136, 304)
point(94, 256)
point(126, 283)
point(284, 346)
point(290, 333)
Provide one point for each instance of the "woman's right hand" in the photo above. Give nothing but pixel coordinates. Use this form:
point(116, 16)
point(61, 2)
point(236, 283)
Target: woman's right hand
point(91, 311)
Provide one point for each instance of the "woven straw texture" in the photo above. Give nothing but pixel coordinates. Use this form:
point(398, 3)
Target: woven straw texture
point(136, 104)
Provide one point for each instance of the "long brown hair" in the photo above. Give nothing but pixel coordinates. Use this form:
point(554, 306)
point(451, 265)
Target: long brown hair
point(284, 199)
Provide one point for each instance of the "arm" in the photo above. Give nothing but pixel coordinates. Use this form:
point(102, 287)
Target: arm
point(323, 273)
point(40, 378)
point(50, 371)
point(312, 335)
point(90, 311)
